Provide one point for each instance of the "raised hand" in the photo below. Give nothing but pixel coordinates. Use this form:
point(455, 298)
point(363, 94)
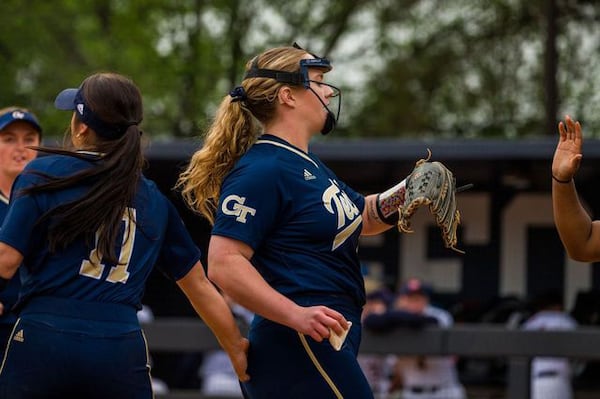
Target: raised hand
point(567, 156)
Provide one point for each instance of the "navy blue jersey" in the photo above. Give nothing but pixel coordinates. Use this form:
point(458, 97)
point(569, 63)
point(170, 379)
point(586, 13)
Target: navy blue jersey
point(301, 220)
point(8, 296)
point(74, 272)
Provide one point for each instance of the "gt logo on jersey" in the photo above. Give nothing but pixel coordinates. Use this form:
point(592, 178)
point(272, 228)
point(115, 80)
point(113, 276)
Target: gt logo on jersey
point(237, 208)
point(345, 210)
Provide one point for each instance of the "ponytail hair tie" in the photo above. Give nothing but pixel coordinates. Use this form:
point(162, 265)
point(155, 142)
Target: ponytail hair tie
point(238, 94)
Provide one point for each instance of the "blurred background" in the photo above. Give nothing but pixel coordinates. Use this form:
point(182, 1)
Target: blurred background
point(420, 68)
point(481, 83)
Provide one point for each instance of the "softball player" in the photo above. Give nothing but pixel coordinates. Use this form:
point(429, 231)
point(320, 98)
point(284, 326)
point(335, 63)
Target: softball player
point(285, 237)
point(87, 228)
point(18, 128)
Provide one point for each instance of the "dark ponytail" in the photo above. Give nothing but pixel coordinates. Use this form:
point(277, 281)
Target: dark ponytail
point(112, 177)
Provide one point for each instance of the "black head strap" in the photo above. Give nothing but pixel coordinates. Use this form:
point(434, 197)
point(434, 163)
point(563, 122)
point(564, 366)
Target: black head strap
point(293, 78)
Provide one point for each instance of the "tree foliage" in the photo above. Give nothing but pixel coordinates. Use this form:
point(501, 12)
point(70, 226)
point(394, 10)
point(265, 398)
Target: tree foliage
point(407, 67)
point(468, 68)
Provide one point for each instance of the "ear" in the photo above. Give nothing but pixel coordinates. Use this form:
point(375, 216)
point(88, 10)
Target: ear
point(80, 128)
point(286, 96)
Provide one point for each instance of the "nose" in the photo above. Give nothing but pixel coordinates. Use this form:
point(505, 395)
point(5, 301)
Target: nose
point(329, 91)
point(21, 144)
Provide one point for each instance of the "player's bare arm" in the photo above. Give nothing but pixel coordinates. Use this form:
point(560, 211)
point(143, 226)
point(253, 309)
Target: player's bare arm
point(230, 269)
point(213, 309)
point(578, 232)
point(10, 259)
point(372, 222)
point(381, 210)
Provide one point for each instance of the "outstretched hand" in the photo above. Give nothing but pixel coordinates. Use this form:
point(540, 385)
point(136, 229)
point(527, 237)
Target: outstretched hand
point(567, 155)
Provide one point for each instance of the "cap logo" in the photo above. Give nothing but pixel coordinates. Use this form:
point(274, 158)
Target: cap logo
point(80, 109)
point(18, 115)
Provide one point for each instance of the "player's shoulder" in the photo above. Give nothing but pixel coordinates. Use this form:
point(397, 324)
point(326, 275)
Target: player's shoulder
point(149, 192)
point(550, 319)
point(54, 165)
point(444, 317)
point(149, 185)
point(43, 162)
point(275, 156)
point(258, 162)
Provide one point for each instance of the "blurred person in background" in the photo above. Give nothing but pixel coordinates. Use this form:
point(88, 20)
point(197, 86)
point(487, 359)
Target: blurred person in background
point(421, 377)
point(550, 376)
point(217, 376)
point(377, 368)
point(19, 128)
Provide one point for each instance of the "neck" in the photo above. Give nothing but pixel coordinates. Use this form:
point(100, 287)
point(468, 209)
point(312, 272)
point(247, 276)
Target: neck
point(5, 185)
point(290, 132)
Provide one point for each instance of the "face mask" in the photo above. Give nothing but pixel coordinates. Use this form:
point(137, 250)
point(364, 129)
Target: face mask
point(301, 78)
point(330, 123)
point(331, 119)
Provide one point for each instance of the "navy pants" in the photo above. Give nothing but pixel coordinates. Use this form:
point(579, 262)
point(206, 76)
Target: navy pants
point(285, 364)
point(51, 356)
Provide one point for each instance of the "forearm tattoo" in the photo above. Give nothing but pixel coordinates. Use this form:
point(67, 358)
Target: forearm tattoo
point(388, 202)
point(372, 209)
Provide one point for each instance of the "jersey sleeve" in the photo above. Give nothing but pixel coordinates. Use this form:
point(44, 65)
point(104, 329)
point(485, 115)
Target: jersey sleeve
point(23, 214)
point(249, 205)
point(179, 253)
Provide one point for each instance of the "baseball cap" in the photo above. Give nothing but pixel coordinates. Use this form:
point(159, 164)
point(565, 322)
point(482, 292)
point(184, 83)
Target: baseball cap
point(415, 286)
point(19, 115)
point(73, 100)
point(65, 100)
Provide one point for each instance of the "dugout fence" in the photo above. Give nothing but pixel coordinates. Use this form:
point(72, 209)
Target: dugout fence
point(518, 347)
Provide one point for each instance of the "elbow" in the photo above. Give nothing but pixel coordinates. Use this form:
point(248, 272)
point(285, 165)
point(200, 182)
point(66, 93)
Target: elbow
point(7, 269)
point(214, 271)
point(212, 274)
point(582, 255)
point(5, 274)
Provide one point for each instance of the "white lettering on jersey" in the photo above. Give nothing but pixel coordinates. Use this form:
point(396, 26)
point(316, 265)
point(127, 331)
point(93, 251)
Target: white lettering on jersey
point(238, 208)
point(337, 203)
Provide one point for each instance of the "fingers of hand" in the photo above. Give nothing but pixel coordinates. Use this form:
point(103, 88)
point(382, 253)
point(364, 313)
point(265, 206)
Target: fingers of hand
point(336, 321)
point(561, 129)
point(319, 333)
point(577, 129)
point(243, 376)
point(322, 320)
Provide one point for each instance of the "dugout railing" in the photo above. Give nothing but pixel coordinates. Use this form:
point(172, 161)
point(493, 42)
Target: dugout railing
point(518, 347)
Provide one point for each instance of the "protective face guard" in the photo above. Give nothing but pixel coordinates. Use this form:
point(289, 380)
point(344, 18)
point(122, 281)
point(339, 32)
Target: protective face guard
point(301, 79)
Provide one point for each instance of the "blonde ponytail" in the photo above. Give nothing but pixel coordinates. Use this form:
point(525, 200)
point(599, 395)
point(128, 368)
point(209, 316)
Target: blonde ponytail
point(231, 134)
point(236, 126)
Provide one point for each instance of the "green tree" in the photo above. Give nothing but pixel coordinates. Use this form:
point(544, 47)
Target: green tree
point(459, 68)
point(480, 68)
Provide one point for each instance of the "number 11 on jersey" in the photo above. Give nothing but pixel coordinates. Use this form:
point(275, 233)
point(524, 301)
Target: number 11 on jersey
point(93, 266)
